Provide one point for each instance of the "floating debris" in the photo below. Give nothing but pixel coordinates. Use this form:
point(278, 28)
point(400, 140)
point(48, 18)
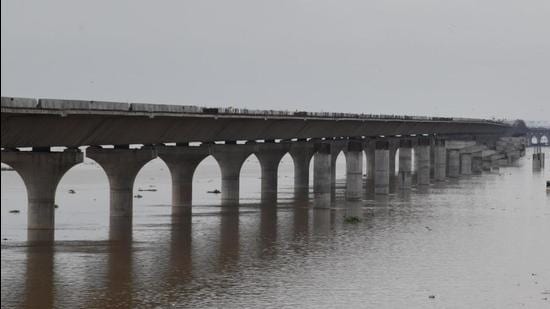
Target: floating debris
point(352, 219)
point(216, 191)
point(138, 196)
point(431, 296)
point(148, 190)
point(428, 228)
point(55, 206)
point(14, 211)
point(7, 169)
point(71, 191)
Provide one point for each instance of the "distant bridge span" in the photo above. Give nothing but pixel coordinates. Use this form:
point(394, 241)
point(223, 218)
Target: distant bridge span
point(46, 123)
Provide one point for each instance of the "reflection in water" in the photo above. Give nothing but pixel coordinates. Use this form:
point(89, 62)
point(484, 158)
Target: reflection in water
point(229, 246)
point(119, 285)
point(268, 231)
point(451, 239)
point(39, 276)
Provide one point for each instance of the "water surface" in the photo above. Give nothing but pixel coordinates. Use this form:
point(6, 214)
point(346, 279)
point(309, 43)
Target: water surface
point(477, 242)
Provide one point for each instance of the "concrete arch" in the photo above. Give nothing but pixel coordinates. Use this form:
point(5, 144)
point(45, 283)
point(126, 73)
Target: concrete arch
point(231, 158)
point(41, 173)
point(121, 166)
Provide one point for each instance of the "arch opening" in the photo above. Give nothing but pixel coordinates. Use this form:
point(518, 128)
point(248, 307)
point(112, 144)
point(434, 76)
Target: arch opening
point(207, 178)
point(250, 180)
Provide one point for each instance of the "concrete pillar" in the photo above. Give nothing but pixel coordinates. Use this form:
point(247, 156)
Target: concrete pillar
point(270, 155)
point(121, 167)
point(369, 153)
point(41, 173)
point(433, 146)
point(381, 169)
point(182, 162)
point(405, 164)
point(423, 159)
point(321, 174)
point(440, 160)
point(394, 145)
point(453, 163)
point(477, 163)
point(301, 153)
point(466, 163)
point(231, 157)
point(354, 170)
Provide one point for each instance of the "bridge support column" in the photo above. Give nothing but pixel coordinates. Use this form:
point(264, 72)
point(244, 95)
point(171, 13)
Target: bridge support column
point(369, 148)
point(440, 160)
point(382, 170)
point(453, 161)
point(477, 163)
point(354, 170)
point(466, 163)
point(423, 156)
point(121, 166)
point(394, 145)
point(301, 153)
point(322, 175)
point(405, 164)
point(231, 158)
point(269, 155)
point(182, 162)
point(41, 173)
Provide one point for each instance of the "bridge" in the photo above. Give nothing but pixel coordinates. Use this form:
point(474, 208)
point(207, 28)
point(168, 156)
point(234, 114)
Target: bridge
point(123, 137)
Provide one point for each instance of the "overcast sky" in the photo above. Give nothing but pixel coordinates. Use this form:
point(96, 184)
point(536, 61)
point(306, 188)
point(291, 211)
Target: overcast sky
point(478, 58)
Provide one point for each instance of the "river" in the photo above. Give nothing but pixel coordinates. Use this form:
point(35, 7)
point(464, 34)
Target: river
point(475, 242)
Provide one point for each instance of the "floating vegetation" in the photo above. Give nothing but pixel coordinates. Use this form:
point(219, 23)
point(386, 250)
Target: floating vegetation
point(352, 219)
point(14, 211)
point(216, 191)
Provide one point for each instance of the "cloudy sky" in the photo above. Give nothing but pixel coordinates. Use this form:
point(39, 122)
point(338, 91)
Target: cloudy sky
point(479, 58)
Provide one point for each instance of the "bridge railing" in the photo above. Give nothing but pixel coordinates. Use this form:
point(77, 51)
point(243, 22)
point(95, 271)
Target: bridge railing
point(55, 104)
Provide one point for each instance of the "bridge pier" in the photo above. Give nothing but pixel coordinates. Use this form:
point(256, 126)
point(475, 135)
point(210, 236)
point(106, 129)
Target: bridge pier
point(453, 167)
point(440, 160)
point(477, 163)
point(466, 164)
point(393, 146)
point(182, 162)
point(301, 153)
point(322, 175)
point(423, 159)
point(369, 146)
point(354, 170)
point(231, 157)
point(382, 171)
point(270, 155)
point(121, 166)
point(41, 172)
point(405, 164)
